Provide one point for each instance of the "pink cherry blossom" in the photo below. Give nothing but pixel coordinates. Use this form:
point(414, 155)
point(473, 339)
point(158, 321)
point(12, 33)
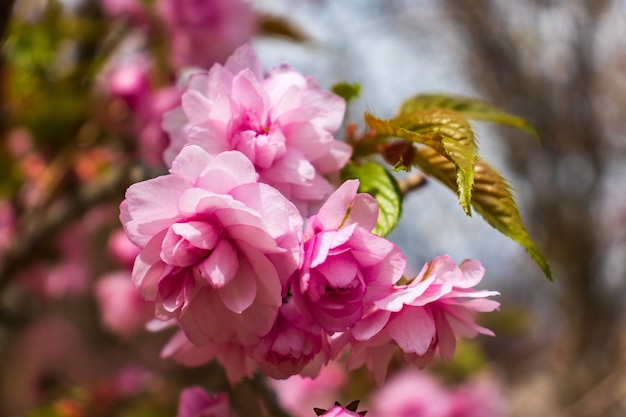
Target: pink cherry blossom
point(411, 393)
point(122, 308)
point(345, 266)
point(217, 247)
point(294, 343)
point(421, 318)
point(202, 32)
point(283, 123)
point(196, 402)
point(479, 397)
point(232, 357)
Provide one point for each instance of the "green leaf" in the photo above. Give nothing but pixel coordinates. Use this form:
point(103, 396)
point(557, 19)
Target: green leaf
point(378, 182)
point(443, 130)
point(347, 91)
point(470, 108)
point(491, 198)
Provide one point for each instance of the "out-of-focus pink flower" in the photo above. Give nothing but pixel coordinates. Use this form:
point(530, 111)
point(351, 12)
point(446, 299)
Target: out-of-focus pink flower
point(202, 32)
point(122, 249)
point(196, 402)
point(7, 226)
point(477, 398)
point(422, 317)
point(411, 394)
point(217, 247)
point(283, 123)
point(130, 83)
point(345, 266)
point(298, 395)
point(69, 272)
point(132, 381)
point(123, 310)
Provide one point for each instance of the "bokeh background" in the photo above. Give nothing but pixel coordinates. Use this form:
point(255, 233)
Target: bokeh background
point(69, 149)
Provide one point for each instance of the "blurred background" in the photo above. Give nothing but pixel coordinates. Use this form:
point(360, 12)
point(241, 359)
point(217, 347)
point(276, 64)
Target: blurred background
point(83, 84)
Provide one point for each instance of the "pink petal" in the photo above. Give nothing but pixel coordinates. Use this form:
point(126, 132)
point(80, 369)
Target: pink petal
point(370, 325)
point(279, 215)
point(240, 292)
point(201, 234)
point(473, 272)
point(149, 268)
point(226, 171)
point(413, 330)
point(335, 159)
point(143, 215)
point(196, 106)
point(245, 57)
point(445, 337)
point(364, 212)
point(190, 163)
point(405, 295)
point(332, 214)
point(293, 167)
point(249, 92)
point(339, 271)
point(221, 265)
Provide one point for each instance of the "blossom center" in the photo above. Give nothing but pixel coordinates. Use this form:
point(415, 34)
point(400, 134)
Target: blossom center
point(261, 141)
point(186, 243)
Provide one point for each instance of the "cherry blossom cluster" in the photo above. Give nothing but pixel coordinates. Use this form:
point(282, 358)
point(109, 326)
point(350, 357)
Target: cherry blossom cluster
point(251, 248)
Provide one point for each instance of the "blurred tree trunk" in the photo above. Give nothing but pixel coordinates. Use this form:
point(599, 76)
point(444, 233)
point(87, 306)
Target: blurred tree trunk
point(564, 173)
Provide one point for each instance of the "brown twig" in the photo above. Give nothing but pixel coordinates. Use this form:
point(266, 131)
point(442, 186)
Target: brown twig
point(412, 183)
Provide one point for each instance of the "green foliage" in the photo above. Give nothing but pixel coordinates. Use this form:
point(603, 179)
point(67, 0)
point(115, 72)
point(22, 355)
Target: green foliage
point(468, 107)
point(450, 154)
point(378, 182)
point(443, 130)
point(347, 91)
point(491, 198)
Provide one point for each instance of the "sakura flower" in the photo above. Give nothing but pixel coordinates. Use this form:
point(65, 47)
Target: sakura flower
point(410, 394)
point(217, 247)
point(421, 318)
point(477, 398)
point(293, 344)
point(196, 402)
point(202, 32)
point(232, 357)
point(283, 123)
point(345, 266)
